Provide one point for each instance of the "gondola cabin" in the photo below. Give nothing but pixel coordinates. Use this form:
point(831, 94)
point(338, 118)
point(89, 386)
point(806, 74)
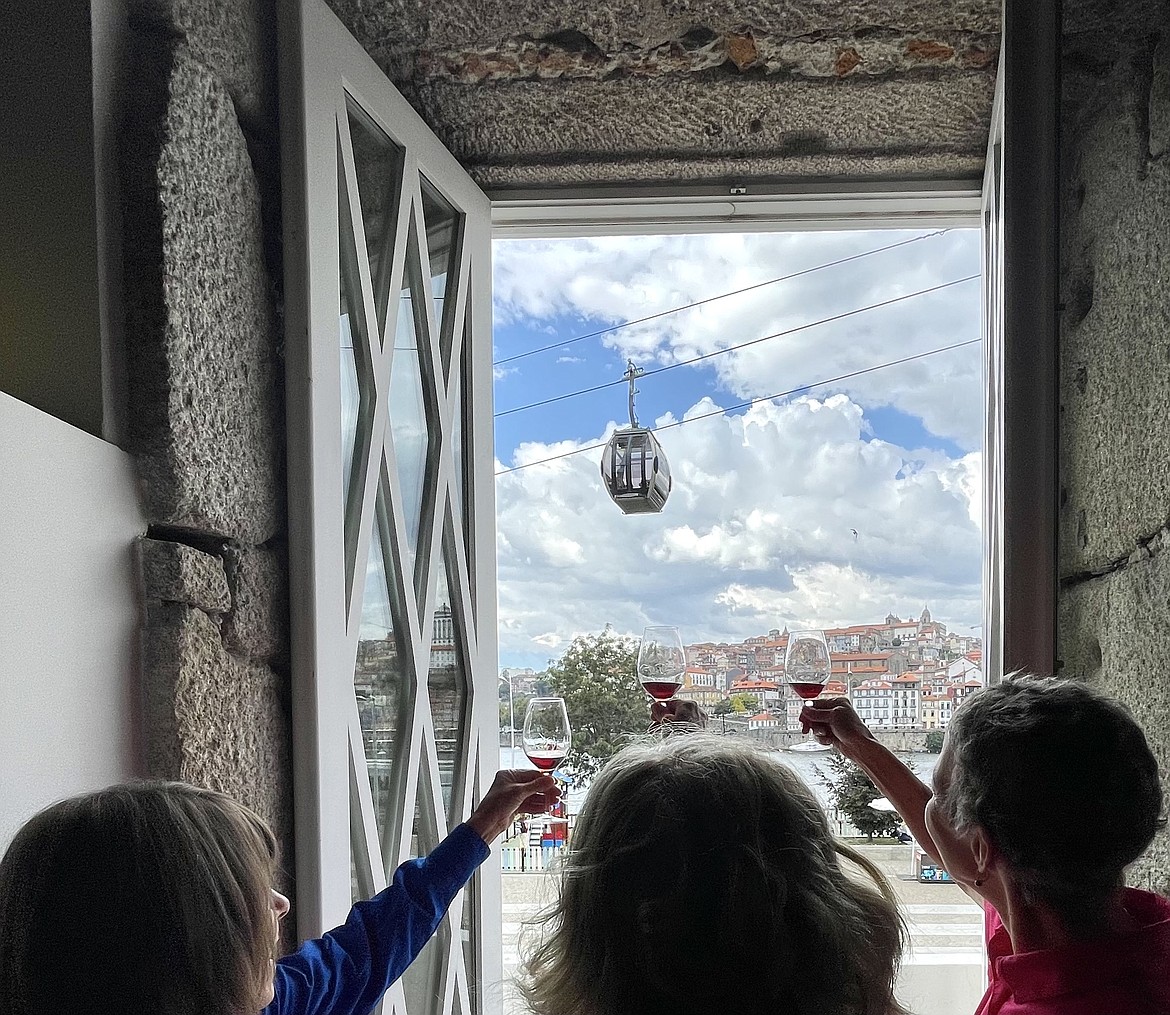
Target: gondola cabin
point(635, 471)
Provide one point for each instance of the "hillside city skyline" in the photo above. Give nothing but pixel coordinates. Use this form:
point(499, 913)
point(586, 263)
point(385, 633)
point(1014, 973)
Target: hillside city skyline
point(901, 674)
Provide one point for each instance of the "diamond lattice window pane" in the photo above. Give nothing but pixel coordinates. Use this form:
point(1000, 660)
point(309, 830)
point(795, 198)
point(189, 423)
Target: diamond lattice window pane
point(443, 225)
point(356, 891)
point(468, 925)
point(447, 688)
point(411, 411)
point(461, 445)
point(421, 981)
point(381, 680)
point(378, 166)
point(357, 385)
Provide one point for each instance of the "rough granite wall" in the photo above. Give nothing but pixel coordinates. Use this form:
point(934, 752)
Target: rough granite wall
point(547, 93)
point(1114, 555)
point(202, 269)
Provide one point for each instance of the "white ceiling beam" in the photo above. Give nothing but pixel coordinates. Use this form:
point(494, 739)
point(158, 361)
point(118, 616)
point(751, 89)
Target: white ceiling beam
point(890, 205)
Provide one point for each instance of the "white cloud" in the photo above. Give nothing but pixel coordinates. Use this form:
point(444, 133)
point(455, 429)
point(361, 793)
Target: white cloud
point(756, 534)
point(615, 279)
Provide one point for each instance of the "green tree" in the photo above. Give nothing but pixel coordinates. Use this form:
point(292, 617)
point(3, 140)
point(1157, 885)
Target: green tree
point(741, 704)
point(597, 677)
point(934, 742)
point(852, 793)
point(723, 707)
point(519, 705)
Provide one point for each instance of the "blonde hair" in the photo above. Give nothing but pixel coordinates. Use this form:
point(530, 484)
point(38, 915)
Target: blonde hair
point(703, 877)
point(144, 899)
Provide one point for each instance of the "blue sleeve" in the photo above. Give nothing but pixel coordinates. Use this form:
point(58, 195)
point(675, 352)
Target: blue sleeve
point(348, 970)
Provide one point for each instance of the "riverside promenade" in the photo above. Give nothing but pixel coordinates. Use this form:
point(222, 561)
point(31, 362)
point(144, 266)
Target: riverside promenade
point(941, 975)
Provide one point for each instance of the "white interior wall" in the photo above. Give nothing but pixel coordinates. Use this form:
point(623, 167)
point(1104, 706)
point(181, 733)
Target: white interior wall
point(69, 613)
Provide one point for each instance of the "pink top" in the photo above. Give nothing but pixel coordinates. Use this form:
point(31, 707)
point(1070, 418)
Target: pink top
point(1124, 975)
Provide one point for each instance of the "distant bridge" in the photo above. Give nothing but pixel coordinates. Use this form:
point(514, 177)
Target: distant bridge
point(910, 741)
point(895, 740)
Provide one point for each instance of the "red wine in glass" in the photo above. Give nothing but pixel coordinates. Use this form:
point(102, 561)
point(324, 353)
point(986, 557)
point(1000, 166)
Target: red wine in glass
point(546, 736)
point(546, 761)
point(807, 664)
point(661, 690)
point(662, 661)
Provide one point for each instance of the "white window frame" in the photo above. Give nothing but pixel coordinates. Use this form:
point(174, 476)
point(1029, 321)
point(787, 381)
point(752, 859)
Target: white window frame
point(332, 793)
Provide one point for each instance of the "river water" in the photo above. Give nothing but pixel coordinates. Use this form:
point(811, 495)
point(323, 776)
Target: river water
point(811, 767)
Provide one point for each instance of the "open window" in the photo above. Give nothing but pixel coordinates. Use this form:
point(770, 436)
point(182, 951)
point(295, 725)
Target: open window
point(389, 358)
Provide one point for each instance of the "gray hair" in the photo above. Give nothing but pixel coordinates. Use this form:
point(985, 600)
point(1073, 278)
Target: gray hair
point(1060, 777)
point(691, 854)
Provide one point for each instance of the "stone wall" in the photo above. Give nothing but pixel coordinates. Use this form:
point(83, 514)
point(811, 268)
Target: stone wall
point(201, 220)
point(1114, 605)
point(555, 93)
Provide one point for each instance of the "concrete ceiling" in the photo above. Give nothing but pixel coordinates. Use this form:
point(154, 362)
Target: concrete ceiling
point(532, 94)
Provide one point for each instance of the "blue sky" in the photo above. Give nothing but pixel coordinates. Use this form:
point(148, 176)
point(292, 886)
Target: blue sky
point(584, 364)
point(752, 537)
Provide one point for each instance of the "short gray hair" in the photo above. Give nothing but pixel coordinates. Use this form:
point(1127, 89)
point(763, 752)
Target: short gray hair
point(1061, 778)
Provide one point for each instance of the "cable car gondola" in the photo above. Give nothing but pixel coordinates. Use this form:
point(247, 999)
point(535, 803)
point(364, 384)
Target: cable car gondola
point(633, 464)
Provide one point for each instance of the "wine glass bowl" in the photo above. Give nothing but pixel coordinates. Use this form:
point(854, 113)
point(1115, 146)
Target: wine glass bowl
point(547, 736)
point(807, 665)
point(662, 661)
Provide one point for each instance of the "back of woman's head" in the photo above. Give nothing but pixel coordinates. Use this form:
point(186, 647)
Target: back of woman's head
point(1061, 778)
point(146, 899)
point(703, 877)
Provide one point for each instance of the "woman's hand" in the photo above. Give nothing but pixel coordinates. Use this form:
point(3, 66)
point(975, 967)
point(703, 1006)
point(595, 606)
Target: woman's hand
point(512, 792)
point(677, 716)
point(832, 721)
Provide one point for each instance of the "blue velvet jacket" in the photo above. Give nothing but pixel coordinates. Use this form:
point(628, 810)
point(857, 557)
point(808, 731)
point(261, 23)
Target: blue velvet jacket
point(347, 970)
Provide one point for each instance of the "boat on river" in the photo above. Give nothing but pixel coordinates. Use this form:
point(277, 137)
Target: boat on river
point(808, 747)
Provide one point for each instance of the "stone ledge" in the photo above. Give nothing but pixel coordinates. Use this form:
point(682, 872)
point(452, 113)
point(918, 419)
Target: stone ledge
point(205, 411)
point(1113, 632)
point(176, 573)
point(258, 626)
point(1114, 363)
point(874, 54)
point(213, 720)
point(392, 29)
point(236, 41)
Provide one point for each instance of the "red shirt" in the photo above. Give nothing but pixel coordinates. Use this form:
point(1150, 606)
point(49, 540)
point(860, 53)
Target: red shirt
point(1124, 975)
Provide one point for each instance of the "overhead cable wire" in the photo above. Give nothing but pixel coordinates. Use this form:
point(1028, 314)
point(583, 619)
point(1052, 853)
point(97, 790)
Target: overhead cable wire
point(733, 348)
point(720, 296)
point(752, 401)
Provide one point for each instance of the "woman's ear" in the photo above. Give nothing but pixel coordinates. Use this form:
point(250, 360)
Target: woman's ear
point(983, 851)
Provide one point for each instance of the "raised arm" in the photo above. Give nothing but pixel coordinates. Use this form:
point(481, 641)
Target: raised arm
point(347, 970)
point(833, 722)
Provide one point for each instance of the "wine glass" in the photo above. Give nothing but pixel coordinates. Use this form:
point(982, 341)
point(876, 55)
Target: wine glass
point(547, 735)
point(806, 663)
point(661, 662)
